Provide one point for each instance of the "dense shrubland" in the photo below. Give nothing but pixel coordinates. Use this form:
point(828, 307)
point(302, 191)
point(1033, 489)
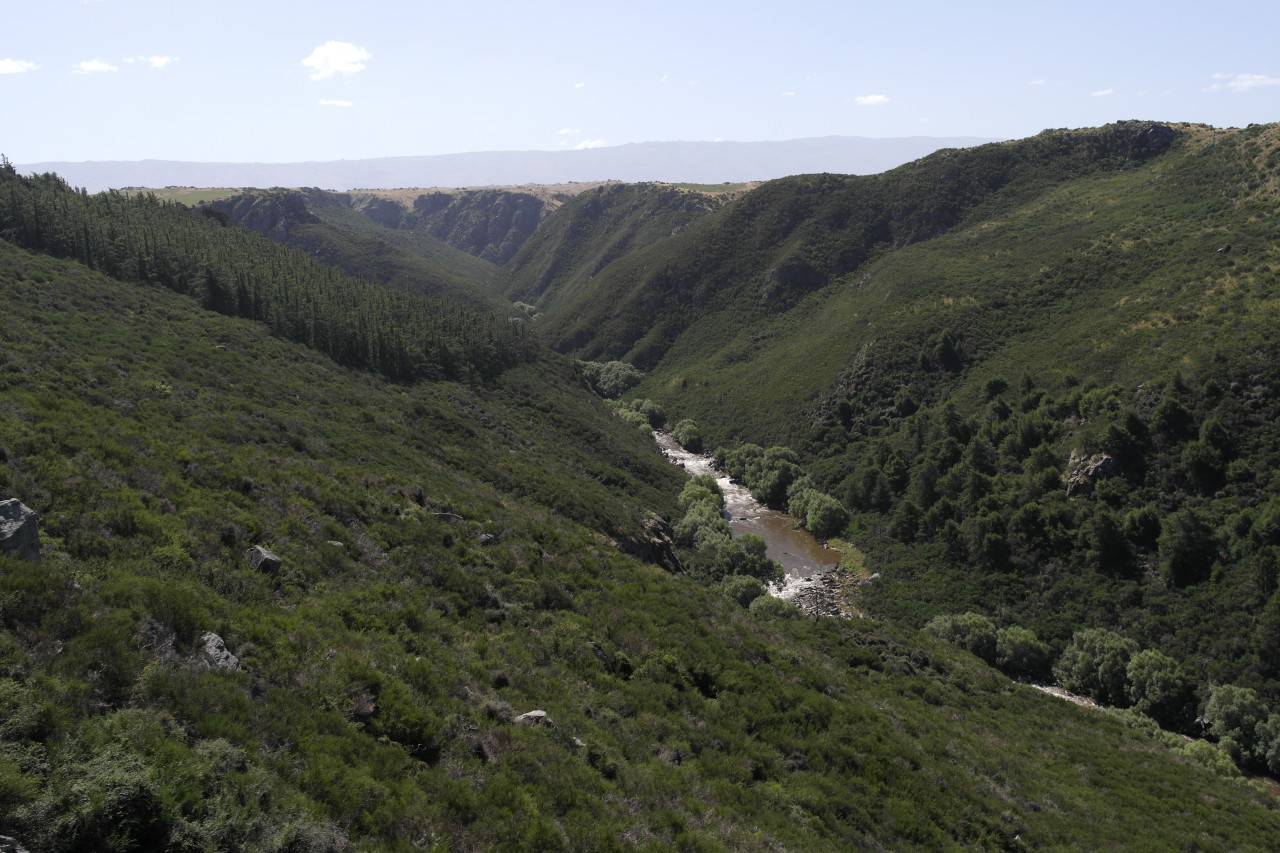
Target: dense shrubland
point(456, 554)
point(446, 568)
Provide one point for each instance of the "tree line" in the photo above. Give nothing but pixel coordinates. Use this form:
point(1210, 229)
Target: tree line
point(138, 238)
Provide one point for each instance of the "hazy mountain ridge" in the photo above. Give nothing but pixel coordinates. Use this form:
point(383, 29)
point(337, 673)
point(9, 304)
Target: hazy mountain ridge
point(691, 162)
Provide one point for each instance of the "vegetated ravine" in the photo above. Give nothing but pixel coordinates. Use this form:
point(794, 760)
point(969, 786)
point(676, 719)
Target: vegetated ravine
point(805, 560)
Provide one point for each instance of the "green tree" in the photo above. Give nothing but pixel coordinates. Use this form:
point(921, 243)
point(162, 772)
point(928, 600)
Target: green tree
point(970, 631)
point(1020, 652)
point(742, 588)
point(1188, 547)
point(769, 607)
point(1095, 664)
point(689, 434)
point(1234, 715)
point(1158, 687)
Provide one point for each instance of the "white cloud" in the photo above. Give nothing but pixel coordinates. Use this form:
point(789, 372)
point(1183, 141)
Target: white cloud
point(334, 102)
point(871, 100)
point(1242, 82)
point(335, 57)
point(564, 131)
point(153, 61)
point(1035, 82)
point(664, 79)
point(579, 85)
point(1102, 93)
point(94, 66)
point(16, 66)
point(588, 143)
point(788, 94)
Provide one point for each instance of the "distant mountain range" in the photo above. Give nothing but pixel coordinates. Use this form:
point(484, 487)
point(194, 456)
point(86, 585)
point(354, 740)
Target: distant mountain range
point(682, 162)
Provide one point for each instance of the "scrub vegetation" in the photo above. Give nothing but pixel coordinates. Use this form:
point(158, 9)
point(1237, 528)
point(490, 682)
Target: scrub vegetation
point(466, 631)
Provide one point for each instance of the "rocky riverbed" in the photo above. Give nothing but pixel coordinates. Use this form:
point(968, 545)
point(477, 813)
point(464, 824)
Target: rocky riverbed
point(811, 579)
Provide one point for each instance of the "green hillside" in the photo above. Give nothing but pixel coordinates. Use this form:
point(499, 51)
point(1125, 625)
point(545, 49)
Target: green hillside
point(463, 532)
point(556, 265)
point(328, 227)
point(1039, 375)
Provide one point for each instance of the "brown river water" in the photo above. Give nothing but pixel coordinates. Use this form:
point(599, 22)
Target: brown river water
point(803, 557)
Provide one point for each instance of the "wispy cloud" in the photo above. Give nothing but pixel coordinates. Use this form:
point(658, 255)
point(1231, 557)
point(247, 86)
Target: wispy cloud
point(334, 102)
point(1036, 82)
point(153, 61)
point(788, 94)
point(1241, 82)
point(871, 100)
point(336, 57)
point(588, 143)
point(565, 131)
point(579, 85)
point(16, 66)
point(94, 66)
point(1102, 93)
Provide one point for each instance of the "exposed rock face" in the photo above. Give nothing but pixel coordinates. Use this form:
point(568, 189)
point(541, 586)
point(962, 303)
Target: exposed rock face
point(215, 654)
point(490, 224)
point(19, 531)
point(1083, 471)
point(533, 718)
point(270, 213)
point(657, 545)
point(262, 560)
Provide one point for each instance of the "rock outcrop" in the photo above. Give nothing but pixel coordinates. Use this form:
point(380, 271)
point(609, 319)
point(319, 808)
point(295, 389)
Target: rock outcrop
point(1083, 471)
point(214, 654)
point(19, 531)
point(262, 560)
point(656, 545)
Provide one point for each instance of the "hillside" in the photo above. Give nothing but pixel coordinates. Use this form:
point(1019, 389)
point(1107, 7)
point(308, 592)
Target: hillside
point(592, 230)
point(333, 229)
point(1038, 374)
point(461, 646)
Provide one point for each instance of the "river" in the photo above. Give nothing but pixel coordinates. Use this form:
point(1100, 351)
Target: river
point(806, 561)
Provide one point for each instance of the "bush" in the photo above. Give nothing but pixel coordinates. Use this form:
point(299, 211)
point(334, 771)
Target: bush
point(1019, 652)
point(768, 607)
point(689, 435)
point(970, 631)
point(1095, 664)
point(1157, 687)
point(822, 514)
point(610, 379)
point(742, 589)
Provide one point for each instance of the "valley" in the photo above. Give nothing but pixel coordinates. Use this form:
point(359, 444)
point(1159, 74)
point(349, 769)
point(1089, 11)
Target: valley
point(1033, 382)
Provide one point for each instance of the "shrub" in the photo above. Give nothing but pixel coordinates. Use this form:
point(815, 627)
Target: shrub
point(1095, 664)
point(970, 631)
point(769, 608)
point(1020, 652)
point(742, 589)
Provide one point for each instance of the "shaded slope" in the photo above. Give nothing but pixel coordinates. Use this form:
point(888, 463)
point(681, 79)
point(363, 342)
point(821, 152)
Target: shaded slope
point(593, 230)
point(327, 227)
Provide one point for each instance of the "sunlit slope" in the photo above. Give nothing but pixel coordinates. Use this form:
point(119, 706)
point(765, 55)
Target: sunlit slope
point(1121, 276)
point(763, 254)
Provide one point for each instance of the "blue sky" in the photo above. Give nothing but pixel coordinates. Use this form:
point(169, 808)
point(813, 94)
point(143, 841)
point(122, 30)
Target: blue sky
point(279, 81)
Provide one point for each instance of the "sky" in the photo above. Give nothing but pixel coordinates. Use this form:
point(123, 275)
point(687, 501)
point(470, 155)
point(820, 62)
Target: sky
point(284, 81)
